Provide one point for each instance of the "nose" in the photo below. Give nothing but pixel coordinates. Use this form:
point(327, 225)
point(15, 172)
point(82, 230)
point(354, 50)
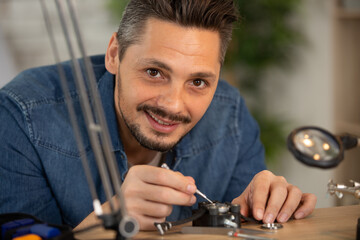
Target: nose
point(172, 98)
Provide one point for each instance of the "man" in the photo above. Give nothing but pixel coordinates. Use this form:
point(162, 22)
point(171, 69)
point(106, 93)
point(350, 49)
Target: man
point(163, 101)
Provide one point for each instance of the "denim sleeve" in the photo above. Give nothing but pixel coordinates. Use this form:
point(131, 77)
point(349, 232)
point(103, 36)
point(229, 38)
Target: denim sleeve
point(23, 185)
point(250, 159)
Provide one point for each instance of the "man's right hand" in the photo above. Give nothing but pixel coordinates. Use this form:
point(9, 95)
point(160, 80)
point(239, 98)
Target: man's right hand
point(150, 192)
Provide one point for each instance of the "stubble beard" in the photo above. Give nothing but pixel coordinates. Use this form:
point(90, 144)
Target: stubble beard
point(144, 141)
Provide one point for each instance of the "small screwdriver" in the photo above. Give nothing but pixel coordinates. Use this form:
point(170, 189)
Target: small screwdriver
point(164, 165)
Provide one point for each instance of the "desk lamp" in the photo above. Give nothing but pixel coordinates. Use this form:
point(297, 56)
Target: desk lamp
point(317, 147)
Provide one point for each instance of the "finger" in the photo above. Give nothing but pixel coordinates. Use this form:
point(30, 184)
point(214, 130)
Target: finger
point(164, 177)
point(278, 195)
point(148, 208)
point(191, 179)
point(167, 195)
point(291, 203)
point(260, 186)
point(308, 203)
point(244, 207)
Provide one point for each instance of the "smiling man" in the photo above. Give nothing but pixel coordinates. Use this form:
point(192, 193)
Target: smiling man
point(165, 83)
point(164, 102)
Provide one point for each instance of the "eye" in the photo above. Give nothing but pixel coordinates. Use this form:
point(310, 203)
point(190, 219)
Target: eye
point(153, 73)
point(199, 83)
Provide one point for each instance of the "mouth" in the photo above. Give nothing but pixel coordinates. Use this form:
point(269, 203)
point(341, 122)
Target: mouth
point(160, 124)
point(158, 120)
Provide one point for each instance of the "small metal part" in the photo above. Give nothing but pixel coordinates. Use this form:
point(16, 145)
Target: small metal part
point(163, 227)
point(340, 189)
point(272, 226)
point(229, 223)
point(213, 210)
point(97, 207)
point(215, 214)
point(223, 208)
point(235, 208)
point(165, 166)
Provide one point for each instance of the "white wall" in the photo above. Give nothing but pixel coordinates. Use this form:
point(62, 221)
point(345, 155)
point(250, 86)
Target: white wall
point(304, 94)
point(7, 66)
point(23, 27)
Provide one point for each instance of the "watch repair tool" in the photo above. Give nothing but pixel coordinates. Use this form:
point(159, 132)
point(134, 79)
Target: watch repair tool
point(210, 215)
point(222, 230)
point(204, 196)
point(164, 165)
point(246, 236)
point(219, 215)
point(272, 226)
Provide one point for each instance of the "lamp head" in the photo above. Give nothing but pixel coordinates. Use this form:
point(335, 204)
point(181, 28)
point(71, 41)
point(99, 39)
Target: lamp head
point(316, 147)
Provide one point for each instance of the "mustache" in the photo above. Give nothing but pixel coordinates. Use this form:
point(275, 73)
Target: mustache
point(164, 114)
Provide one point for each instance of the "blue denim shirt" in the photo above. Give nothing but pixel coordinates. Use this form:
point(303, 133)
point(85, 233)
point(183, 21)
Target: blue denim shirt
point(40, 169)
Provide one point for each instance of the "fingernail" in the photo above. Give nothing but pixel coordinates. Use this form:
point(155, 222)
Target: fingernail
point(259, 213)
point(283, 217)
point(299, 215)
point(269, 218)
point(191, 188)
point(193, 200)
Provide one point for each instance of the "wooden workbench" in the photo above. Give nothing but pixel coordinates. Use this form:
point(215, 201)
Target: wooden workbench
point(323, 223)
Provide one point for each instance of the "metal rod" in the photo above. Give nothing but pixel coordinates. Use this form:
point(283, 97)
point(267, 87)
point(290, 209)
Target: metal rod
point(87, 111)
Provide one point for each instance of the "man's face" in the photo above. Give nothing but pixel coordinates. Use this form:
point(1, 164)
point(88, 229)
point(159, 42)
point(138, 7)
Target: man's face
point(165, 83)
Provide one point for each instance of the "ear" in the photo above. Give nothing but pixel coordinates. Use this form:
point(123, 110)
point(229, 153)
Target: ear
point(112, 55)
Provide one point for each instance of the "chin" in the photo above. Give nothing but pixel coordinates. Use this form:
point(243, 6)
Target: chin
point(158, 143)
point(160, 147)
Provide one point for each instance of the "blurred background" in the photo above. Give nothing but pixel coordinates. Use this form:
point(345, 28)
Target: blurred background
point(296, 62)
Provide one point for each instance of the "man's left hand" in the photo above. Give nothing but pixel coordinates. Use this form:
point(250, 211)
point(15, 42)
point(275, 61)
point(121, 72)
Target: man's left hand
point(269, 197)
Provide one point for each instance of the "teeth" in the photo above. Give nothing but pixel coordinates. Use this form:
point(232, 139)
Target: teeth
point(158, 120)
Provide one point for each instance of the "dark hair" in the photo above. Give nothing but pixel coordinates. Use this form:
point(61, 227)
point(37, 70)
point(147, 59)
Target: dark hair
point(217, 15)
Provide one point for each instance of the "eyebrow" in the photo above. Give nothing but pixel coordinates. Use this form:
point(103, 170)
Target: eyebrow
point(159, 64)
point(153, 61)
point(204, 75)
